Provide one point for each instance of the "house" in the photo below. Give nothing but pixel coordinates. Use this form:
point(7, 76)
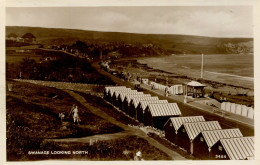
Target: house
point(156, 115)
point(240, 148)
point(206, 139)
point(189, 131)
point(194, 89)
point(142, 106)
point(172, 126)
point(29, 37)
point(134, 103)
point(106, 91)
point(128, 98)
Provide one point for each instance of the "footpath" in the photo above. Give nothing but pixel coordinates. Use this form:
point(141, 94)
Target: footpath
point(99, 112)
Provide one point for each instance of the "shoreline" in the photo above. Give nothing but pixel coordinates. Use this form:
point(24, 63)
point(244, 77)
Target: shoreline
point(237, 93)
point(232, 80)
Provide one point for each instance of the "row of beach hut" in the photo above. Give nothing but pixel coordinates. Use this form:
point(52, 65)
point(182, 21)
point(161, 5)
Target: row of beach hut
point(203, 139)
point(207, 140)
point(238, 109)
point(143, 107)
point(174, 90)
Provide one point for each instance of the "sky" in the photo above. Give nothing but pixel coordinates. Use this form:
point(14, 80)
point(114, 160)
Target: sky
point(213, 21)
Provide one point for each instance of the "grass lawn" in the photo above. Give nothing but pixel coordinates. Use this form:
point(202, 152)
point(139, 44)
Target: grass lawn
point(108, 108)
point(32, 115)
point(117, 149)
point(32, 118)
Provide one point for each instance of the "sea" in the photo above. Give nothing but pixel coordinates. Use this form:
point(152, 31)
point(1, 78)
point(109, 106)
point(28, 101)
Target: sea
point(221, 64)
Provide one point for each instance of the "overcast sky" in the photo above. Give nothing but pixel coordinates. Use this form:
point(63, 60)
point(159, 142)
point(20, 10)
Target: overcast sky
point(226, 21)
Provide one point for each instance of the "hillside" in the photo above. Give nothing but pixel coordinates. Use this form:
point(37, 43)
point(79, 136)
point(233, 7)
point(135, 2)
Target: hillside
point(171, 43)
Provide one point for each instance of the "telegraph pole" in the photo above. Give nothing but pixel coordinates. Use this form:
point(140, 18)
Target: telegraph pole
point(201, 74)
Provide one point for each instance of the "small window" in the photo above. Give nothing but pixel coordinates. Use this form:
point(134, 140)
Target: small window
point(183, 130)
point(170, 124)
point(220, 148)
point(201, 139)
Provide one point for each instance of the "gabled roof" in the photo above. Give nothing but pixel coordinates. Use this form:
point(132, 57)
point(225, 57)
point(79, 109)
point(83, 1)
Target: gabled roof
point(239, 148)
point(178, 121)
point(169, 109)
point(107, 88)
point(129, 97)
point(124, 94)
point(144, 103)
point(136, 101)
point(195, 84)
point(112, 90)
point(213, 136)
point(193, 129)
point(117, 93)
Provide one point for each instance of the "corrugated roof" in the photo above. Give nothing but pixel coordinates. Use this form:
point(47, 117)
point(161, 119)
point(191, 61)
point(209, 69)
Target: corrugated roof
point(117, 92)
point(169, 109)
point(144, 103)
point(111, 91)
point(195, 84)
point(213, 136)
point(123, 95)
point(239, 148)
point(193, 129)
point(178, 121)
point(129, 97)
point(107, 88)
point(136, 101)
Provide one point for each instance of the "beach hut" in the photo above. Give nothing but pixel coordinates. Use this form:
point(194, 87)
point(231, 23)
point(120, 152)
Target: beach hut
point(232, 107)
point(107, 90)
point(228, 106)
point(156, 115)
point(245, 111)
point(116, 93)
point(176, 90)
point(172, 126)
point(189, 131)
point(206, 139)
point(121, 93)
point(128, 98)
point(122, 97)
point(250, 113)
point(195, 89)
point(234, 148)
point(142, 106)
point(239, 110)
point(134, 103)
point(223, 106)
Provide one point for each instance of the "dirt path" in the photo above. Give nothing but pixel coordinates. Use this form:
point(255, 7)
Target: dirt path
point(130, 130)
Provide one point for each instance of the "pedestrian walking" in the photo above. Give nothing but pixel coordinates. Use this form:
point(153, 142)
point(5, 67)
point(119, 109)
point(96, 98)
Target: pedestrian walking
point(76, 115)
